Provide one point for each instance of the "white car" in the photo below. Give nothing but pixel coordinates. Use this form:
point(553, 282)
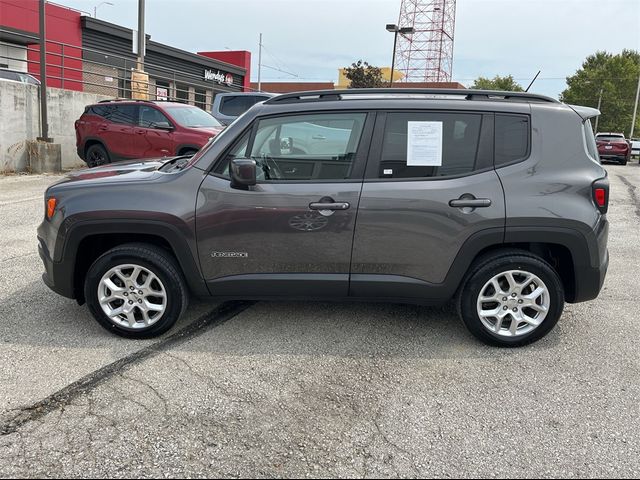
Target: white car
point(635, 147)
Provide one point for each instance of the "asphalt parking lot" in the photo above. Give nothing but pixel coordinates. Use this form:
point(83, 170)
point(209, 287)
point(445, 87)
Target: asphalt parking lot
point(314, 389)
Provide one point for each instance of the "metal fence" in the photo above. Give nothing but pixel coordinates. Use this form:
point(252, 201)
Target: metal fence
point(68, 66)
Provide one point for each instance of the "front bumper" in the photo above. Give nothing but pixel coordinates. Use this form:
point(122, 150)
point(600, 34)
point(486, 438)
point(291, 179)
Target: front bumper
point(56, 275)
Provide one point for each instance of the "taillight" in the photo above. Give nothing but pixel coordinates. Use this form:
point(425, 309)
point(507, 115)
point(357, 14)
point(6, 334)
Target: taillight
point(51, 207)
point(600, 189)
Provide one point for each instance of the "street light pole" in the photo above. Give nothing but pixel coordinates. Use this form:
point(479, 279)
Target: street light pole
point(396, 30)
point(259, 62)
point(393, 60)
point(95, 8)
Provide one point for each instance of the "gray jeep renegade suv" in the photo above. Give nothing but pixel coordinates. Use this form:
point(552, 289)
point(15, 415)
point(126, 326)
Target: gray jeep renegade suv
point(496, 199)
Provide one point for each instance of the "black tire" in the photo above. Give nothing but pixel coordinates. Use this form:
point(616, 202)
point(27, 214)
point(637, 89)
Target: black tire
point(155, 260)
point(97, 155)
point(190, 151)
point(623, 162)
point(488, 267)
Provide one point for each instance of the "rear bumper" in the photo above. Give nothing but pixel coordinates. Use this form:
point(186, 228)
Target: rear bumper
point(614, 156)
point(590, 276)
point(589, 280)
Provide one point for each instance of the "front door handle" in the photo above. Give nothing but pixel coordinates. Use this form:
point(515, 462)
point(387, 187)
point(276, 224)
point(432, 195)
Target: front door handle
point(329, 206)
point(470, 203)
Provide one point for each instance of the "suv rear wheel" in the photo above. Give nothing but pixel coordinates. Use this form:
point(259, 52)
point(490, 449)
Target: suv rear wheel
point(136, 291)
point(97, 155)
point(511, 299)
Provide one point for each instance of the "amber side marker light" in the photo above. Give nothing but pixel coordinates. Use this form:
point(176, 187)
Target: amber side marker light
point(51, 207)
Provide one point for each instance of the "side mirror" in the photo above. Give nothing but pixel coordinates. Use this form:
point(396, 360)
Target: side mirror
point(162, 125)
point(243, 172)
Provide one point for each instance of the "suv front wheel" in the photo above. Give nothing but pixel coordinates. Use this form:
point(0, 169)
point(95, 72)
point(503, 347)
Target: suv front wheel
point(511, 299)
point(136, 291)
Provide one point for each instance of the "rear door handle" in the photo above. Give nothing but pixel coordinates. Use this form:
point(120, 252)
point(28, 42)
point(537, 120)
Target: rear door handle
point(329, 206)
point(470, 203)
point(140, 132)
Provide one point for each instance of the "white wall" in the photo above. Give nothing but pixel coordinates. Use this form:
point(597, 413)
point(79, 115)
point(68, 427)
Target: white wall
point(20, 121)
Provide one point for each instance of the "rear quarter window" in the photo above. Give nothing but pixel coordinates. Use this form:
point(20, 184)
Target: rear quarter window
point(512, 134)
point(126, 114)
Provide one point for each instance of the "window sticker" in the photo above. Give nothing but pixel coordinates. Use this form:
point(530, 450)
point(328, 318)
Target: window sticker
point(424, 144)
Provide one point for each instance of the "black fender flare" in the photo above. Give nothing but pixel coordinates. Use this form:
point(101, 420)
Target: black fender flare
point(65, 253)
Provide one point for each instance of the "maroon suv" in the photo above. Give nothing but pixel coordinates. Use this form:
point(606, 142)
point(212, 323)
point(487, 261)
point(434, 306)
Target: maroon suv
point(117, 130)
point(613, 146)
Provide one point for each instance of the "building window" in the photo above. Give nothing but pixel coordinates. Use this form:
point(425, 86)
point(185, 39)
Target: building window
point(182, 92)
point(124, 88)
point(201, 98)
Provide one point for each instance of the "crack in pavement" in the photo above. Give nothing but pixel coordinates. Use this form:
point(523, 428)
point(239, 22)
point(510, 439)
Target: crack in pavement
point(10, 423)
point(631, 188)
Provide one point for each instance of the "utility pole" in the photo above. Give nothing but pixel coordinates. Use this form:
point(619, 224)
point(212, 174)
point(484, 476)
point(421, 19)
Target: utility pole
point(139, 79)
point(635, 109)
point(44, 118)
point(259, 62)
point(141, 36)
point(44, 156)
point(598, 117)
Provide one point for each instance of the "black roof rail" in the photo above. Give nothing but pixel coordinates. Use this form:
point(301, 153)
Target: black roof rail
point(129, 100)
point(328, 95)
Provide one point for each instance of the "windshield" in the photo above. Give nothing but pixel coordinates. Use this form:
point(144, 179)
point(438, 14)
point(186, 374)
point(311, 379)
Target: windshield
point(193, 117)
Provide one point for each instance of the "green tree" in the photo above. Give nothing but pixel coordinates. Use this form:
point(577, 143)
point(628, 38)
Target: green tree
point(616, 76)
point(363, 75)
point(497, 83)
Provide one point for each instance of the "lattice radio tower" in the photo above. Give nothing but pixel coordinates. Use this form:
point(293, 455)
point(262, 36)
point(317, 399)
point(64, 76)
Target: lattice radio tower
point(427, 54)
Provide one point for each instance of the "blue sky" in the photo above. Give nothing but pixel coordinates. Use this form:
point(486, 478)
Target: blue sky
point(311, 39)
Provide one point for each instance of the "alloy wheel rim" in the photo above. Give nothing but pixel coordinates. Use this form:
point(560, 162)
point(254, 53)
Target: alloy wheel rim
point(132, 296)
point(513, 303)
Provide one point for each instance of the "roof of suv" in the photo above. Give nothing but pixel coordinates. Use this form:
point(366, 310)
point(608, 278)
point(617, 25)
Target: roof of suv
point(396, 98)
point(425, 93)
point(126, 101)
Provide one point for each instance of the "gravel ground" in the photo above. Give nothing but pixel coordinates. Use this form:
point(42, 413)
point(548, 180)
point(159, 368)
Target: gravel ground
point(314, 389)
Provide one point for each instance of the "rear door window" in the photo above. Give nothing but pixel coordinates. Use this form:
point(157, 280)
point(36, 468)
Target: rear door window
point(127, 114)
point(457, 155)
